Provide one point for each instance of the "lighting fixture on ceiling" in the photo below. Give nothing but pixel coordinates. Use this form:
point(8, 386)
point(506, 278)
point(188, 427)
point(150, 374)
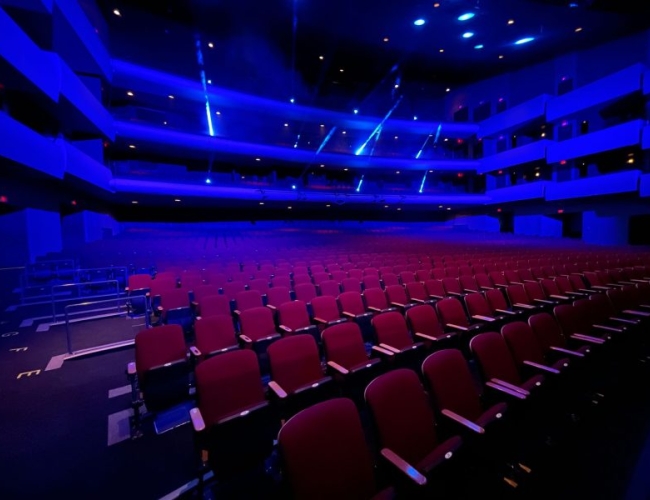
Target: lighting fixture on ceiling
point(117, 12)
point(522, 41)
point(466, 17)
point(479, 46)
point(468, 34)
point(419, 22)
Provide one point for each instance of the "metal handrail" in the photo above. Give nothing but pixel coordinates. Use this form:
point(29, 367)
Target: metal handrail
point(70, 285)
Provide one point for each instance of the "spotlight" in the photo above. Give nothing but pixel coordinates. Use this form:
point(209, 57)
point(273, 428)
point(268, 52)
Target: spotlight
point(468, 34)
point(419, 22)
point(466, 17)
point(208, 180)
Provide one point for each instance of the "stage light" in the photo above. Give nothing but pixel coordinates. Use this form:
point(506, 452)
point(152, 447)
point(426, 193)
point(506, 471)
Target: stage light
point(293, 186)
point(468, 34)
point(292, 100)
point(479, 46)
point(355, 111)
point(359, 185)
point(424, 178)
point(129, 93)
point(522, 41)
point(466, 17)
point(170, 96)
point(211, 45)
point(208, 180)
point(419, 22)
point(117, 12)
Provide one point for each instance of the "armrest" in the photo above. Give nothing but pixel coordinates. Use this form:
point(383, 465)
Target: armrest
point(568, 352)
point(608, 328)
point(285, 329)
point(457, 327)
point(523, 306)
point(237, 312)
point(398, 304)
point(544, 301)
point(626, 321)
point(514, 283)
point(194, 351)
point(382, 351)
point(505, 390)
point(560, 297)
point(419, 301)
point(510, 386)
point(320, 320)
point(130, 369)
point(277, 389)
point(469, 290)
point(437, 297)
point(374, 309)
point(348, 314)
point(483, 287)
point(269, 337)
point(337, 367)
point(390, 348)
point(505, 311)
point(246, 339)
point(272, 307)
point(575, 294)
point(404, 467)
point(636, 313)
point(598, 287)
point(463, 421)
point(483, 318)
point(543, 368)
point(456, 294)
point(587, 338)
point(197, 420)
point(426, 337)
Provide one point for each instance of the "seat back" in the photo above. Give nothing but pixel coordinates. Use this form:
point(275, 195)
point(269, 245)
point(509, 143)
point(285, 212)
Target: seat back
point(477, 304)
point(390, 279)
point(248, 300)
point(517, 295)
point(417, 291)
point(450, 310)
point(325, 307)
point(350, 285)
point(495, 299)
point(576, 281)
point(452, 285)
point(257, 323)
point(139, 282)
point(550, 287)
point(402, 415)
point(352, 302)
point(295, 362)
point(212, 305)
point(423, 319)
point(468, 283)
point(324, 453)
point(435, 288)
point(407, 277)
point(214, 333)
point(174, 298)
point(202, 291)
point(483, 281)
point(390, 328)
point(547, 331)
point(294, 315)
point(343, 344)
point(396, 294)
point(330, 288)
point(371, 282)
point(450, 381)
point(277, 295)
point(422, 274)
point(232, 288)
point(522, 342)
point(375, 297)
point(569, 320)
point(534, 291)
point(305, 292)
point(494, 358)
point(603, 305)
point(564, 284)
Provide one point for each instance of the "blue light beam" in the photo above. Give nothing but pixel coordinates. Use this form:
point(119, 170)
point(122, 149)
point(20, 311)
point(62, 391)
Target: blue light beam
point(208, 112)
point(378, 127)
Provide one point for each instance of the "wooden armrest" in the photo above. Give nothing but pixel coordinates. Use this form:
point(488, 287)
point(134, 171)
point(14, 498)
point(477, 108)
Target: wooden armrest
point(469, 290)
point(544, 368)
point(588, 338)
point(463, 421)
point(320, 320)
point(348, 314)
point(510, 386)
point(483, 287)
point(197, 420)
point(338, 368)
point(269, 337)
point(130, 369)
point(626, 321)
point(246, 339)
point(575, 294)
point(483, 318)
point(608, 328)
point(237, 312)
point(437, 297)
point(505, 311)
point(544, 301)
point(457, 327)
point(374, 309)
point(195, 303)
point(397, 304)
point(456, 294)
point(636, 313)
point(419, 301)
point(505, 390)
point(381, 350)
point(598, 287)
point(567, 351)
point(426, 337)
point(404, 466)
point(523, 306)
point(390, 348)
point(560, 297)
point(272, 307)
point(195, 351)
point(530, 281)
point(285, 328)
point(277, 389)
point(587, 290)
point(514, 283)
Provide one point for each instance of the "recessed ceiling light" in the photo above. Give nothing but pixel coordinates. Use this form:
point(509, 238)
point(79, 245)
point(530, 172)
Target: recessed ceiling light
point(345, 169)
point(578, 29)
point(397, 172)
point(522, 41)
point(209, 82)
point(415, 118)
point(117, 12)
point(448, 208)
point(218, 112)
point(385, 206)
point(436, 5)
point(341, 70)
point(344, 132)
point(134, 202)
point(321, 57)
point(261, 203)
point(441, 50)
point(129, 93)
point(468, 34)
point(322, 166)
point(328, 205)
point(286, 124)
point(355, 111)
point(479, 46)
point(466, 17)
point(211, 45)
point(132, 146)
point(447, 89)
point(170, 96)
point(385, 39)
point(258, 159)
point(177, 200)
point(292, 100)
point(396, 137)
point(573, 5)
point(164, 123)
point(501, 56)
point(511, 21)
point(419, 22)
point(398, 209)
point(322, 125)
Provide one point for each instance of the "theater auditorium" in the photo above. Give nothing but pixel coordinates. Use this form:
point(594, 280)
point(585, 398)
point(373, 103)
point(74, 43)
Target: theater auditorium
point(343, 249)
